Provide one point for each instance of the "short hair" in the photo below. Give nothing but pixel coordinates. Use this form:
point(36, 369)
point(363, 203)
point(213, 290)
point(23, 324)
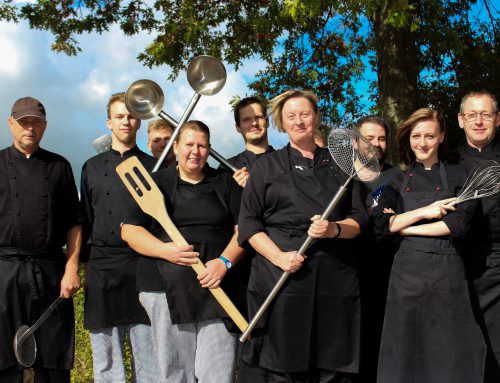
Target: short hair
point(159, 124)
point(115, 98)
point(278, 102)
point(403, 133)
point(372, 119)
point(479, 93)
point(195, 125)
point(245, 102)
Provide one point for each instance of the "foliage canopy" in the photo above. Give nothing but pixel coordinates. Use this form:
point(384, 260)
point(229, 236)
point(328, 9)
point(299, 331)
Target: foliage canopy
point(412, 53)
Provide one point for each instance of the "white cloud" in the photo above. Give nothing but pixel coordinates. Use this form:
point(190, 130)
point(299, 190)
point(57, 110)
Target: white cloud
point(75, 90)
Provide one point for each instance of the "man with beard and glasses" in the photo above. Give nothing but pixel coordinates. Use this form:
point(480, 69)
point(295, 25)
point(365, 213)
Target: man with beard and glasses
point(375, 260)
point(252, 123)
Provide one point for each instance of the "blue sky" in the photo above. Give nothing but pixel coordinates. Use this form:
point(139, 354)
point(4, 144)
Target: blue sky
point(75, 90)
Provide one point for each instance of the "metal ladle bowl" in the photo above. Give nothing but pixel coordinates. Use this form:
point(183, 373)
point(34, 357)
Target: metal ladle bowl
point(144, 99)
point(206, 75)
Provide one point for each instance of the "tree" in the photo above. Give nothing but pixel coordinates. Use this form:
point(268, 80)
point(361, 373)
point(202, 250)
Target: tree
point(413, 52)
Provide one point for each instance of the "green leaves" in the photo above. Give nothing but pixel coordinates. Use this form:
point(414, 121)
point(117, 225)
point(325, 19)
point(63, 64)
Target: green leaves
point(428, 51)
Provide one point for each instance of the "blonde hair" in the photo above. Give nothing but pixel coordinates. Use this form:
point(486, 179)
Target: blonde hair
point(160, 124)
point(195, 125)
point(278, 103)
point(116, 97)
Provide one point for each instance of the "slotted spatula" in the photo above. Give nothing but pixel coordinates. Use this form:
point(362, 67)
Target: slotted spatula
point(150, 199)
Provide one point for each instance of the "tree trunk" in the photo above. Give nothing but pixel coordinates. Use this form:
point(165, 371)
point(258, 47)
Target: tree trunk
point(397, 72)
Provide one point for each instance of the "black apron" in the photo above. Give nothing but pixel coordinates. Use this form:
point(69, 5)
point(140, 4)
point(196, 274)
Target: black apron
point(430, 334)
point(111, 298)
point(29, 283)
point(314, 321)
point(189, 302)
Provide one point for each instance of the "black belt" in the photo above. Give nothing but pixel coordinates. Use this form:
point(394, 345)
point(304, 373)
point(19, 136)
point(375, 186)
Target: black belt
point(31, 259)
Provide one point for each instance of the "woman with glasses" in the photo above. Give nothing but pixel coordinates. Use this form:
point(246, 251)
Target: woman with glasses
point(430, 334)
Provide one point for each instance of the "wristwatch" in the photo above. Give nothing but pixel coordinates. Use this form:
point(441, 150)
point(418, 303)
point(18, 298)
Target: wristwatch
point(226, 261)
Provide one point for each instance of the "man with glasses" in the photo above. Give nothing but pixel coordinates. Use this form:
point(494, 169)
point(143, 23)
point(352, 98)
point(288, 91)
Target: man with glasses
point(479, 119)
point(252, 123)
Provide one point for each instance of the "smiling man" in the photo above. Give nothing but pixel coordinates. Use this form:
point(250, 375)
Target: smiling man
point(112, 307)
point(252, 123)
point(39, 205)
point(479, 119)
point(159, 134)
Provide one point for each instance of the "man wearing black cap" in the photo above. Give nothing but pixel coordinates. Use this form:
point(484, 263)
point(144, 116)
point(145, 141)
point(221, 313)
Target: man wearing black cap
point(39, 205)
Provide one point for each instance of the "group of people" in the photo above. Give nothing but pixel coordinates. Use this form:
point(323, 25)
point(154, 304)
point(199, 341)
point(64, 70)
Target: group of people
point(399, 285)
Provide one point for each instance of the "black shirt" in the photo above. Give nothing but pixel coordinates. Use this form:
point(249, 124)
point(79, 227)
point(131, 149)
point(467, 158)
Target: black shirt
point(38, 200)
point(486, 228)
point(246, 159)
point(105, 199)
point(205, 213)
point(422, 180)
point(260, 206)
point(374, 189)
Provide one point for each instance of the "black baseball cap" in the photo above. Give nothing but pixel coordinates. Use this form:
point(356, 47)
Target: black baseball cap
point(28, 107)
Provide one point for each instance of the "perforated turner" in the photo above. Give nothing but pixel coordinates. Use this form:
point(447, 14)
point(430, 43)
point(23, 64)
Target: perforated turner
point(150, 199)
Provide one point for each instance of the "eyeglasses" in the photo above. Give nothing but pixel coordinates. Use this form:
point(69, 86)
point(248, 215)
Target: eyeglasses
point(472, 116)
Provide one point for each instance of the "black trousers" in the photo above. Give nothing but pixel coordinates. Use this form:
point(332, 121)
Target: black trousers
point(37, 375)
point(255, 374)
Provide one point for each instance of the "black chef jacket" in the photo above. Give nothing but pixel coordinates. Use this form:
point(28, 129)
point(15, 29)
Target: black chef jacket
point(486, 228)
point(111, 295)
point(314, 320)
point(482, 250)
point(205, 213)
point(375, 261)
point(246, 158)
point(39, 205)
point(429, 326)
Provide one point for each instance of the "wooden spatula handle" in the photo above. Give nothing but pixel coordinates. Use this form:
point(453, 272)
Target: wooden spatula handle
point(150, 200)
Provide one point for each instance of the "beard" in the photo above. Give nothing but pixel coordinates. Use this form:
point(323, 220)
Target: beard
point(257, 140)
point(381, 154)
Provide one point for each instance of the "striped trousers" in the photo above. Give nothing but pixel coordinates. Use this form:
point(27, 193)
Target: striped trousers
point(107, 354)
point(203, 352)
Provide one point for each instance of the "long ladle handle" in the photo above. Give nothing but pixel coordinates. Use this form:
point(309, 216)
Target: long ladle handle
point(213, 153)
point(40, 320)
point(184, 118)
point(277, 287)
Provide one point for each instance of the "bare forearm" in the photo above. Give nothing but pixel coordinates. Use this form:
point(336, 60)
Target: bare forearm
point(233, 251)
point(73, 247)
point(349, 228)
point(435, 229)
point(70, 282)
point(142, 241)
point(265, 246)
point(402, 221)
